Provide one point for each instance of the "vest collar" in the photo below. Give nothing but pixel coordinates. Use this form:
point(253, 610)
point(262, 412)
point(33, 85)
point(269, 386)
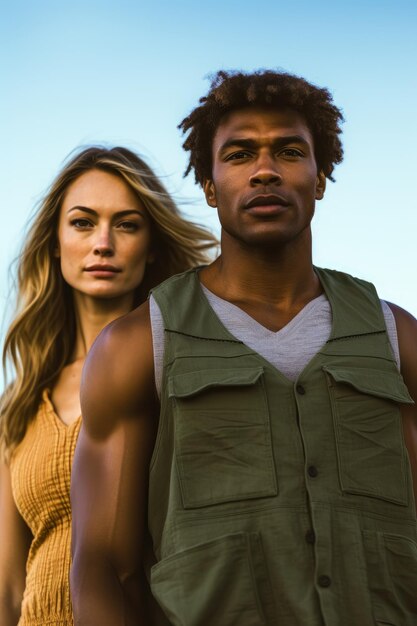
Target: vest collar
point(355, 307)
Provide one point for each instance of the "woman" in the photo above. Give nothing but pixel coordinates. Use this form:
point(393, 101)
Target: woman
point(106, 232)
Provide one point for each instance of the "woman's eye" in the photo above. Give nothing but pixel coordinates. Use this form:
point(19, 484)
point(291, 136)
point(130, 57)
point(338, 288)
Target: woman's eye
point(80, 222)
point(129, 226)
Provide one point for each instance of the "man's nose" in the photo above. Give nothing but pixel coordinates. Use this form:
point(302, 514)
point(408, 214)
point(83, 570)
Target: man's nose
point(103, 245)
point(267, 172)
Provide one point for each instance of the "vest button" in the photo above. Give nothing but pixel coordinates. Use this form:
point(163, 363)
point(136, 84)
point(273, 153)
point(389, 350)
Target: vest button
point(312, 471)
point(324, 581)
point(300, 389)
point(311, 537)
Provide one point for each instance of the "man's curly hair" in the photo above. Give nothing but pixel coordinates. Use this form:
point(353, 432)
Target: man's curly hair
point(237, 90)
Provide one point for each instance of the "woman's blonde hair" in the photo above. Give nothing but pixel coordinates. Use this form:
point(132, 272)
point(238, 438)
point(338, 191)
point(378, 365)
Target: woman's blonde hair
point(40, 340)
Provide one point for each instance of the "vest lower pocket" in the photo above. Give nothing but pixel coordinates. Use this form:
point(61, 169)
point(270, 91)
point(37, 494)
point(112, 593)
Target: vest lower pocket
point(223, 444)
point(392, 577)
point(223, 582)
point(368, 431)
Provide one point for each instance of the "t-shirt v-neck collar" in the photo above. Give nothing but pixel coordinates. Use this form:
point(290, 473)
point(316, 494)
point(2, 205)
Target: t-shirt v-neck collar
point(263, 332)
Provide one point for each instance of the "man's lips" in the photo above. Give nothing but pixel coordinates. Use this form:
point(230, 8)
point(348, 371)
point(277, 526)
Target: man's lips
point(267, 200)
point(266, 205)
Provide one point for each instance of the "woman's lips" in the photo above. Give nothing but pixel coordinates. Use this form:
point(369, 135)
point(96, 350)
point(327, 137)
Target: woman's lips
point(103, 271)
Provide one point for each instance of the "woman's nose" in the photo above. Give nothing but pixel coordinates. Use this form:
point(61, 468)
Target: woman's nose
point(104, 244)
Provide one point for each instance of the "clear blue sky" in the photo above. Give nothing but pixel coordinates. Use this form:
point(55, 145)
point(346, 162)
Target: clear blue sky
point(127, 72)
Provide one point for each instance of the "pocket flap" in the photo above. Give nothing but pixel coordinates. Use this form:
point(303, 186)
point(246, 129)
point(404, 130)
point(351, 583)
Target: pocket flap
point(372, 381)
point(191, 383)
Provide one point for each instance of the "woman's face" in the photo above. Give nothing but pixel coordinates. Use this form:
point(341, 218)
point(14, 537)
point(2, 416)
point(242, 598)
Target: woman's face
point(104, 236)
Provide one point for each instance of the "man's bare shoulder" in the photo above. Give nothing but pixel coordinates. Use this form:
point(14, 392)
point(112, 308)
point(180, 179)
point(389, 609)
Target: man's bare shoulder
point(118, 376)
point(406, 322)
point(401, 313)
point(136, 324)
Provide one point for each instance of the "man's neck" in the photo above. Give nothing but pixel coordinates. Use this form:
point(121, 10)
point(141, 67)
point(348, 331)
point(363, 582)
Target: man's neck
point(271, 285)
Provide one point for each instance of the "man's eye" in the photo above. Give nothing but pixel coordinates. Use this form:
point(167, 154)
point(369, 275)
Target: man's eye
point(81, 222)
point(291, 152)
point(242, 154)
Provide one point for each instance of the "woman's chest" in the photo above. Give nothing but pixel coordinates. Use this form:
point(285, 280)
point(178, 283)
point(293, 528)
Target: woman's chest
point(41, 470)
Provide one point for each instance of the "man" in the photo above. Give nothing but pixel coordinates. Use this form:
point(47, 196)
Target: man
point(252, 416)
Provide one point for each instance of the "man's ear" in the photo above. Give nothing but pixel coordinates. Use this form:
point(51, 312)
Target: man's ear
point(210, 193)
point(320, 185)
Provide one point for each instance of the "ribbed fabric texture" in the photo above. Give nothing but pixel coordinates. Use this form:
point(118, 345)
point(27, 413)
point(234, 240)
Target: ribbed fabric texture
point(41, 471)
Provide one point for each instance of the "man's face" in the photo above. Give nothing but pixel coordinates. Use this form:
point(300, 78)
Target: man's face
point(264, 178)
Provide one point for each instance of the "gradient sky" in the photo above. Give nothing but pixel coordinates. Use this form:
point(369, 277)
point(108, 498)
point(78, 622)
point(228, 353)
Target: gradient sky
point(127, 72)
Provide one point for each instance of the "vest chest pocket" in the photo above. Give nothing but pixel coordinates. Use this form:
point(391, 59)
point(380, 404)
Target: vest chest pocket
point(368, 431)
point(223, 442)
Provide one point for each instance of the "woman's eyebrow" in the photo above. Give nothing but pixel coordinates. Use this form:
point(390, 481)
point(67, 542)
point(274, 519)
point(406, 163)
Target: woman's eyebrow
point(86, 209)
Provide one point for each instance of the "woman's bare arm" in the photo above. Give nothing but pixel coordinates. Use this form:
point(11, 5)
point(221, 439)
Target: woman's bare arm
point(110, 476)
point(15, 540)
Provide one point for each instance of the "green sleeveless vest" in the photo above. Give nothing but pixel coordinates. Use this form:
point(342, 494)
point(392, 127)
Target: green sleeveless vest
point(274, 502)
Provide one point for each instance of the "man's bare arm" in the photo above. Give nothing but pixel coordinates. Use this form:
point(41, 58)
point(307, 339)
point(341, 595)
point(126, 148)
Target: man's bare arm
point(110, 476)
point(407, 340)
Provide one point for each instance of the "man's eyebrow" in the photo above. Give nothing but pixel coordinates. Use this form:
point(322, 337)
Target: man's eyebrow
point(86, 209)
point(250, 144)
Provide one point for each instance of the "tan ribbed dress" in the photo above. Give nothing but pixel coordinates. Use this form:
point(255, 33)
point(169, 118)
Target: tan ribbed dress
point(40, 471)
